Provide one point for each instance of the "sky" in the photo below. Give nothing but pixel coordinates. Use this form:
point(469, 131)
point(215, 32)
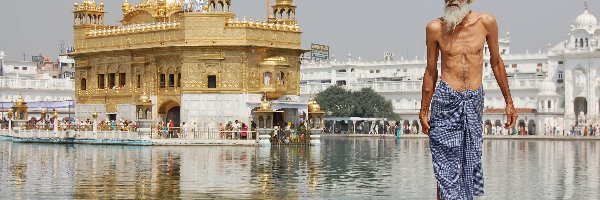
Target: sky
point(361, 28)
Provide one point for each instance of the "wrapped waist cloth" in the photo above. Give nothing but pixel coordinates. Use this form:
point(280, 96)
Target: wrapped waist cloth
point(455, 140)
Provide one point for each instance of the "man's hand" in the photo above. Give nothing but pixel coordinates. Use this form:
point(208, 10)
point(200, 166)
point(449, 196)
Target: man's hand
point(511, 116)
point(424, 117)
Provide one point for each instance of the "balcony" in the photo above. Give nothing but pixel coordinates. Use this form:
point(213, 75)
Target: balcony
point(274, 91)
point(49, 84)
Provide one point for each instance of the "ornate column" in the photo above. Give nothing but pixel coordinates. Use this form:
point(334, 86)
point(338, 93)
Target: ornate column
point(144, 116)
point(315, 122)
point(265, 123)
point(570, 115)
point(55, 118)
point(10, 116)
point(19, 113)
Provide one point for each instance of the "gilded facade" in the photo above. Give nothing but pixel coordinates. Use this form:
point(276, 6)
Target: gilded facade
point(177, 51)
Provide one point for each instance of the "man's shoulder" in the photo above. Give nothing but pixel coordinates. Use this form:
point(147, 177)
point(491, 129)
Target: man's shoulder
point(485, 18)
point(435, 25)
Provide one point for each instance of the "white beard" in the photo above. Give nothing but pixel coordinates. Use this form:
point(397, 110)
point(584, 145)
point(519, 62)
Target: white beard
point(453, 15)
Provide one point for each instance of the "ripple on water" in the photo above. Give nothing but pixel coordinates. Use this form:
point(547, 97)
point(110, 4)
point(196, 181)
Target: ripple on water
point(342, 168)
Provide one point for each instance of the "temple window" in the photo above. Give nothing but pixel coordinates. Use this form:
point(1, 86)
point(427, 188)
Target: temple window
point(111, 80)
point(281, 78)
point(101, 84)
point(171, 80)
point(163, 80)
point(267, 78)
point(179, 80)
point(83, 84)
point(139, 81)
point(212, 81)
point(122, 80)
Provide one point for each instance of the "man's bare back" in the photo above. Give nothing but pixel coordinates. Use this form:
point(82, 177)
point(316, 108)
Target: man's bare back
point(462, 50)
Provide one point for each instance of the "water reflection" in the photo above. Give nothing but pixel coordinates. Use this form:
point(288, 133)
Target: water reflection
point(342, 168)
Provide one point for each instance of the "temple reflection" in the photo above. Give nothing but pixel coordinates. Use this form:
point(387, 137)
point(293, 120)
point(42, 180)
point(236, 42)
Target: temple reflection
point(361, 166)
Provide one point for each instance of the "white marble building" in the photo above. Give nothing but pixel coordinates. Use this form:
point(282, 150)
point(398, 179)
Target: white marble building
point(38, 90)
point(555, 87)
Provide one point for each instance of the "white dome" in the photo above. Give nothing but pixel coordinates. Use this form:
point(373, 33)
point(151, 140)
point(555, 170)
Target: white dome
point(547, 87)
point(585, 20)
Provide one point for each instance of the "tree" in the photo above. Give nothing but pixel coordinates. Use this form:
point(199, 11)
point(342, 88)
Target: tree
point(373, 104)
point(336, 100)
point(364, 103)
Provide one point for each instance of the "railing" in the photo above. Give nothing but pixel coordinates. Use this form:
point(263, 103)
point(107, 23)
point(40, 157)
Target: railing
point(54, 84)
point(81, 127)
point(206, 135)
point(173, 133)
point(108, 135)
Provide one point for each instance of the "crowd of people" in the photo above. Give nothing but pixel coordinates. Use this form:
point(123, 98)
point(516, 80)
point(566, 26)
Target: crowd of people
point(290, 134)
point(584, 130)
point(72, 124)
point(385, 128)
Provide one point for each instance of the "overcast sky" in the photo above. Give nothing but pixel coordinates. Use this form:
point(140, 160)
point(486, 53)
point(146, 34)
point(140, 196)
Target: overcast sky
point(363, 28)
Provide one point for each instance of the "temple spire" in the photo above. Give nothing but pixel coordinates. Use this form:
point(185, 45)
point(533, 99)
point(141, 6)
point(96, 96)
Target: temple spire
point(585, 3)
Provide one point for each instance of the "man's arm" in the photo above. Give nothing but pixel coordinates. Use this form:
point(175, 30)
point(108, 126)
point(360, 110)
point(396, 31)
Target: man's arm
point(431, 74)
point(498, 68)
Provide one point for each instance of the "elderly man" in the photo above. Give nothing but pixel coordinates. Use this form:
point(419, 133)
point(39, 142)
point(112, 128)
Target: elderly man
point(454, 124)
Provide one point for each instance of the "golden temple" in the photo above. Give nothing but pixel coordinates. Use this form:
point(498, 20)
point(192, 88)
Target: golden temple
point(180, 50)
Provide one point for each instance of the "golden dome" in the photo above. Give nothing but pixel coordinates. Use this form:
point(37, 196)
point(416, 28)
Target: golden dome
point(284, 2)
point(265, 105)
point(44, 111)
point(277, 59)
point(94, 115)
point(313, 106)
point(20, 101)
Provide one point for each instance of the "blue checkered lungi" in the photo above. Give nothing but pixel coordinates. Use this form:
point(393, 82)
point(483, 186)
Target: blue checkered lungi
point(455, 140)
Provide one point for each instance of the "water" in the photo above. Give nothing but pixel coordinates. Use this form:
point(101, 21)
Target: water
point(341, 168)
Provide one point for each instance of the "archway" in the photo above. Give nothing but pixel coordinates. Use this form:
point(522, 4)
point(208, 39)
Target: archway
point(580, 104)
point(416, 125)
point(170, 111)
point(531, 127)
point(521, 126)
point(488, 126)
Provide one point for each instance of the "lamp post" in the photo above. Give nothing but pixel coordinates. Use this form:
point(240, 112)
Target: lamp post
point(43, 116)
point(10, 115)
point(95, 125)
point(55, 118)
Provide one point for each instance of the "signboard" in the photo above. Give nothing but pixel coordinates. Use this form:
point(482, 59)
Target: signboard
point(37, 59)
point(319, 52)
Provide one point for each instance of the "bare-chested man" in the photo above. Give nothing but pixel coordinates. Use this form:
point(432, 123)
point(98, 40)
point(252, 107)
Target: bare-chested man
point(455, 122)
